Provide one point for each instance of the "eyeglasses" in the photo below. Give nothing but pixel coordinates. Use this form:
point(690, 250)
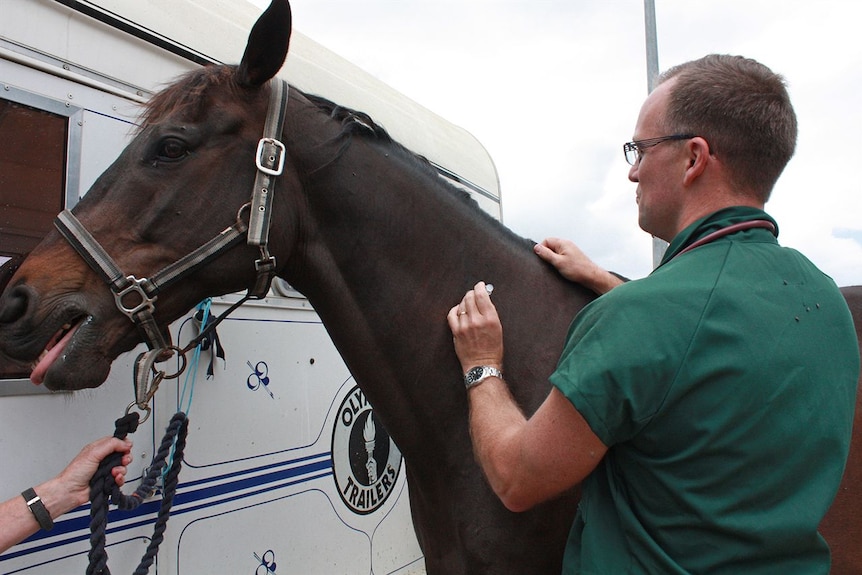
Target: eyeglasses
point(635, 150)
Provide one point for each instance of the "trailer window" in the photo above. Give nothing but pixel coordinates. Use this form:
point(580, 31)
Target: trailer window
point(32, 183)
point(32, 170)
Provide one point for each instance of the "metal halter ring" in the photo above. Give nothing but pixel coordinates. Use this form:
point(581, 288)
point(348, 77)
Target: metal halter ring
point(144, 408)
point(180, 354)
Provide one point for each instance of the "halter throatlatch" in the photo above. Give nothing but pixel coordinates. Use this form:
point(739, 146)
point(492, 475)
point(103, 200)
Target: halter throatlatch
point(136, 298)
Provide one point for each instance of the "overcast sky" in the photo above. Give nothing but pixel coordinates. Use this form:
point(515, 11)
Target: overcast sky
point(552, 89)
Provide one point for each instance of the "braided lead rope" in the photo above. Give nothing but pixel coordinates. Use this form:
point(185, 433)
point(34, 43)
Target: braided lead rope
point(103, 489)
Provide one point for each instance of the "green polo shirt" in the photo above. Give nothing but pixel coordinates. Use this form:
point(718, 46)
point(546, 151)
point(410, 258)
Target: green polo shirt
point(724, 385)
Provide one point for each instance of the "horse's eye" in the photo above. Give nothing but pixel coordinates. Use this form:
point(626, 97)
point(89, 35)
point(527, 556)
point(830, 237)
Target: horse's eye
point(172, 149)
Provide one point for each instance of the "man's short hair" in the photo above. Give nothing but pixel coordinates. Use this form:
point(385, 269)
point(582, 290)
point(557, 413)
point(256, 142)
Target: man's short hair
point(742, 109)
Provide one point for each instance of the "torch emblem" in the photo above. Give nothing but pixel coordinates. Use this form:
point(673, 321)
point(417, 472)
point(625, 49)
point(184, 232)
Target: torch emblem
point(365, 460)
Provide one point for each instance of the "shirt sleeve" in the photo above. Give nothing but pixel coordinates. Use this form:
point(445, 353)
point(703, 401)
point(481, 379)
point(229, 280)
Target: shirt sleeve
point(616, 367)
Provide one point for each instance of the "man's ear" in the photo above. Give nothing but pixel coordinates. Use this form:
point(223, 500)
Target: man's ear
point(698, 159)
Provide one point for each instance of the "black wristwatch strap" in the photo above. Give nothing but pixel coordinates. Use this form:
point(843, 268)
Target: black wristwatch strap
point(34, 502)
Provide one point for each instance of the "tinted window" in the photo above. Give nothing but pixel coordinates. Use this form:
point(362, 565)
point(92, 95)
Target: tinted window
point(32, 168)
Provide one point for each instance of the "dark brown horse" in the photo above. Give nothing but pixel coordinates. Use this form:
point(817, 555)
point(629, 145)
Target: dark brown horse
point(379, 244)
point(842, 526)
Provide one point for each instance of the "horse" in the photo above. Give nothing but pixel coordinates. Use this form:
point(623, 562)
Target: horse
point(841, 526)
point(380, 245)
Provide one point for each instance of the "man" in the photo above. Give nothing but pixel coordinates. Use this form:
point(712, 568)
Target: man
point(707, 408)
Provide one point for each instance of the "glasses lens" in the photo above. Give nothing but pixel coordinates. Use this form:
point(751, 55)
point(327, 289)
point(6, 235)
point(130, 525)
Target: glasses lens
point(631, 153)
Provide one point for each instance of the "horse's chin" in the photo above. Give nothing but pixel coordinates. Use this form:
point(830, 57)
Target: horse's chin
point(75, 371)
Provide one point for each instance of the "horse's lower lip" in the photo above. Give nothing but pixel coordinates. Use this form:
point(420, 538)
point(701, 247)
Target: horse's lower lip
point(52, 351)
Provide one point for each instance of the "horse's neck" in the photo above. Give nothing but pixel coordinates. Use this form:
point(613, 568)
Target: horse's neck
point(388, 251)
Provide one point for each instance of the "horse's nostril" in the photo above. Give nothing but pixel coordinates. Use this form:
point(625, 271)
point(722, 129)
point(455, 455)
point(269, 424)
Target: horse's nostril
point(7, 270)
point(13, 304)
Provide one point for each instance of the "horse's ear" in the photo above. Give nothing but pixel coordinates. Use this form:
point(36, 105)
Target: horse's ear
point(267, 45)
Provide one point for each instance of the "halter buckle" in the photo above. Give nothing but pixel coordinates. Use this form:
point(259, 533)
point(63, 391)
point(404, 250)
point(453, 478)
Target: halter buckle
point(135, 286)
point(265, 268)
point(273, 152)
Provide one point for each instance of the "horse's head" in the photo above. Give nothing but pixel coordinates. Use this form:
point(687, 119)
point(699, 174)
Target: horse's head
point(185, 176)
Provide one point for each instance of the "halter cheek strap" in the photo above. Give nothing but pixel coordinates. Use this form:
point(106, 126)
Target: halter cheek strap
point(270, 163)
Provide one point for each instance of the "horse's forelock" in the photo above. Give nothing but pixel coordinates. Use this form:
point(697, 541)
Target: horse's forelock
point(185, 95)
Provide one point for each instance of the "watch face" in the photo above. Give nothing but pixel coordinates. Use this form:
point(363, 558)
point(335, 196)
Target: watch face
point(474, 374)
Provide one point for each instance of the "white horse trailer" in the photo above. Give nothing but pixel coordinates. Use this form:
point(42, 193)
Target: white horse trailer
point(271, 481)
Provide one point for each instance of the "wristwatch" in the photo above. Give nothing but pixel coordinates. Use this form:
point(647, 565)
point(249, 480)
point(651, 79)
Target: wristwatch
point(478, 374)
point(34, 502)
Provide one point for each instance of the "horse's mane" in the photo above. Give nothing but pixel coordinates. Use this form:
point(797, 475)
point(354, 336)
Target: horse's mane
point(356, 123)
point(352, 121)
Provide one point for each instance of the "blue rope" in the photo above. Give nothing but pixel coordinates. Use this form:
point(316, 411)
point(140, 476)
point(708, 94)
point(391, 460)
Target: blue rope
point(191, 375)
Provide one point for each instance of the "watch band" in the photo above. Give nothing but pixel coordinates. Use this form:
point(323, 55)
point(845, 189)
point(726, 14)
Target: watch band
point(478, 374)
point(38, 509)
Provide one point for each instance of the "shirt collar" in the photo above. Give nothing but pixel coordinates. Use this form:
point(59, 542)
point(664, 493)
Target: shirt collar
point(711, 223)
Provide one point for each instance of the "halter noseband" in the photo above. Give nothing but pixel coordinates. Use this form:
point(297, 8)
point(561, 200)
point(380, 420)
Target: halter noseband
point(136, 298)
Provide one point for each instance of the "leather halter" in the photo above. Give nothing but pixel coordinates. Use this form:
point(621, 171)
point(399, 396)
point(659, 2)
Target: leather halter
point(136, 298)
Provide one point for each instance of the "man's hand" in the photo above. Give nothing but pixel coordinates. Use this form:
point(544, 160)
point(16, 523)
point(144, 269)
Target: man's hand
point(75, 479)
point(476, 329)
point(575, 266)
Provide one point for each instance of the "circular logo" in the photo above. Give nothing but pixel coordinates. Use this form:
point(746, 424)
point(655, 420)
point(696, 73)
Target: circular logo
point(365, 460)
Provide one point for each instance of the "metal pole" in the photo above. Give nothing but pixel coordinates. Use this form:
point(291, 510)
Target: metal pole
point(651, 44)
point(658, 245)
